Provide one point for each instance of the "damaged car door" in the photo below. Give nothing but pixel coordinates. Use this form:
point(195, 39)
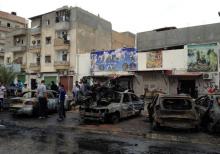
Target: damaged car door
point(127, 106)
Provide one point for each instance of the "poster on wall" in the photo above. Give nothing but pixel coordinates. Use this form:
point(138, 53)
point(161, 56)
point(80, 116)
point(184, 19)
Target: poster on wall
point(123, 59)
point(203, 58)
point(154, 59)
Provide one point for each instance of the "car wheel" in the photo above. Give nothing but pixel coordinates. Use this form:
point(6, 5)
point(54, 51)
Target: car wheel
point(114, 118)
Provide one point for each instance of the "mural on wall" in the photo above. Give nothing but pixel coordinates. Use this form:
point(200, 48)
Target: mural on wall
point(154, 59)
point(203, 58)
point(123, 59)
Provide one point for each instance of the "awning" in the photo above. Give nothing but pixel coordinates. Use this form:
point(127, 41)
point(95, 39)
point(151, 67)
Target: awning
point(183, 74)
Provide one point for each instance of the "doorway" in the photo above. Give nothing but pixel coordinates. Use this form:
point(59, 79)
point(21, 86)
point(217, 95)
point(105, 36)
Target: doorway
point(187, 87)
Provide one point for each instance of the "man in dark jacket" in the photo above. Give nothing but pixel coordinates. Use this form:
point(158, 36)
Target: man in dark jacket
point(61, 110)
point(53, 86)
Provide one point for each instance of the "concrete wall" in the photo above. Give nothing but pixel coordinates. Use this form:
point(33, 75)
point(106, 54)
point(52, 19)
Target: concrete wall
point(124, 39)
point(84, 65)
point(93, 32)
point(171, 59)
point(198, 34)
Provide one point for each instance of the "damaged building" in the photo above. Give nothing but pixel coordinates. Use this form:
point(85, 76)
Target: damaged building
point(178, 60)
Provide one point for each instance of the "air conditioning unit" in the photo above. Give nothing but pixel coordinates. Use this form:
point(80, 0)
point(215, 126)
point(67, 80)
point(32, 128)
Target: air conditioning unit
point(207, 76)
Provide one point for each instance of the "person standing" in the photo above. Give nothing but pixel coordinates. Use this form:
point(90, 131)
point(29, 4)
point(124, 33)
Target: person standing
point(42, 99)
point(61, 110)
point(54, 86)
point(2, 94)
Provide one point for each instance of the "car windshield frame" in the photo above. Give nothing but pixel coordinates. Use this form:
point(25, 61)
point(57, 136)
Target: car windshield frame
point(172, 103)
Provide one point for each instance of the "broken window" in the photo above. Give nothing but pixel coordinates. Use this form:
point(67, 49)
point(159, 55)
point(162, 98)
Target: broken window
point(48, 40)
point(126, 98)
point(134, 97)
point(47, 59)
point(8, 25)
point(63, 35)
point(177, 104)
point(63, 15)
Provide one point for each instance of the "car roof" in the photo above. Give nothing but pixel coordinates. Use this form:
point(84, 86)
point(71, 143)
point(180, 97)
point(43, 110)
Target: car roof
point(176, 96)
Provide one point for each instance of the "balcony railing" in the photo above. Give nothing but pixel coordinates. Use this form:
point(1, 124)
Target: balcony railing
point(35, 66)
point(61, 64)
point(64, 25)
point(17, 49)
point(17, 32)
point(60, 44)
point(35, 48)
point(35, 31)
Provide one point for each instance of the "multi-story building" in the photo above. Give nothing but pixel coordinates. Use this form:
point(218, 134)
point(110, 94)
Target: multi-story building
point(8, 23)
point(178, 60)
point(59, 43)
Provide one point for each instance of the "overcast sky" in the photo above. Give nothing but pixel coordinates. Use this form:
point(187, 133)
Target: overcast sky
point(129, 15)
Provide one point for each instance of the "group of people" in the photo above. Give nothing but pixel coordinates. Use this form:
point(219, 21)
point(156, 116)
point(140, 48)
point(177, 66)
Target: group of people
point(42, 98)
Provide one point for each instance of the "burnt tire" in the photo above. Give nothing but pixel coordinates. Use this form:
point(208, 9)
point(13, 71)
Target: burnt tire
point(114, 118)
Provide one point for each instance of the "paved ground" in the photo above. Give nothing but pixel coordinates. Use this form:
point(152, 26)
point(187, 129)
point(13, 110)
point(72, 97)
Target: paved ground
point(136, 126)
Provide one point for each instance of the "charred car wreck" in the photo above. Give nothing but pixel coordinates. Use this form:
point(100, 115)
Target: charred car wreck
point(173, 111)
point(109, 103)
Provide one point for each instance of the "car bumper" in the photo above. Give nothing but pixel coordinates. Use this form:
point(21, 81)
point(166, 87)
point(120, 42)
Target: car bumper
point(178, 123)
point(92, 116)
point(18, 111)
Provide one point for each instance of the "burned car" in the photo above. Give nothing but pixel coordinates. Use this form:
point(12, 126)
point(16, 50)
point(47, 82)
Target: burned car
point(173, 111)
point(208, 107)
point(28, 104)
point(112, 106)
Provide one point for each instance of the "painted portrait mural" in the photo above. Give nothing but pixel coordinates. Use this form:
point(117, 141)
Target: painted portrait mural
point(123, 59)
point(203, 58)
point(154, 59)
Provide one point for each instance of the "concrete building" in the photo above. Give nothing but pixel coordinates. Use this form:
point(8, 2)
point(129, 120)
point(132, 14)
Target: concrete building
point(8, 23)
point(123, 39)
point(178, 60)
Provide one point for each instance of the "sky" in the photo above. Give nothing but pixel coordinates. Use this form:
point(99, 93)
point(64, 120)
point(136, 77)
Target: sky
point(129, 15)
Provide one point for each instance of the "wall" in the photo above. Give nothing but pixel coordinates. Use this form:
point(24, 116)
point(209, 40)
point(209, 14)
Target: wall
point(171, 59)
point(197, 34)
point(84, 65)
point(124, 39)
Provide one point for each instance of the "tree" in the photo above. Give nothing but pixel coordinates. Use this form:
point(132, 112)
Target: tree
point(7, 75)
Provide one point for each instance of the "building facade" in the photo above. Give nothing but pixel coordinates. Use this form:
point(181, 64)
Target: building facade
point(57, 46)
point(8, 23)
point(184, 60)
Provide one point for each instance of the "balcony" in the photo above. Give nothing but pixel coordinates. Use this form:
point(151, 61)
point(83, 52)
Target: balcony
point(34, 66)
point(23, 66)
point(61, 65)
point(35, 49)
point(61, 44)
point(35, 31)
point(2, 41)
point(19, 32)
point(64, 25)
point(17, 49)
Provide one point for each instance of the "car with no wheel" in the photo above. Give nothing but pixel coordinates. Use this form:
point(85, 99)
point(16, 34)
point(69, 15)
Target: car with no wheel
point(112, 107)
point(173, 111)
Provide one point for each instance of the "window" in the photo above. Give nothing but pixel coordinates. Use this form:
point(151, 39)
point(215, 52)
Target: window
point(38, 42)
point(64, 56)
point(134, 97)
point(48, 40)
point(22, 41)
point(48, 22)
point(126, 98)
point(8, 60)
point(47, 59)
point(0, 23)
point(38, 59)
point(8, 25)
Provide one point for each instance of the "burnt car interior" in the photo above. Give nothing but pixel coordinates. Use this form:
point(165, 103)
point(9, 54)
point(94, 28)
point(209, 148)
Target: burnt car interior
point(177, 104)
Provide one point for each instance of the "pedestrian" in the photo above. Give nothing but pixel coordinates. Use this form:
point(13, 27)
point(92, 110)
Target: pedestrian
point(61, 110)
point(25, 88)
point(2, 94)
point(42, 99)
point(19, 87)
point(54, 86)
